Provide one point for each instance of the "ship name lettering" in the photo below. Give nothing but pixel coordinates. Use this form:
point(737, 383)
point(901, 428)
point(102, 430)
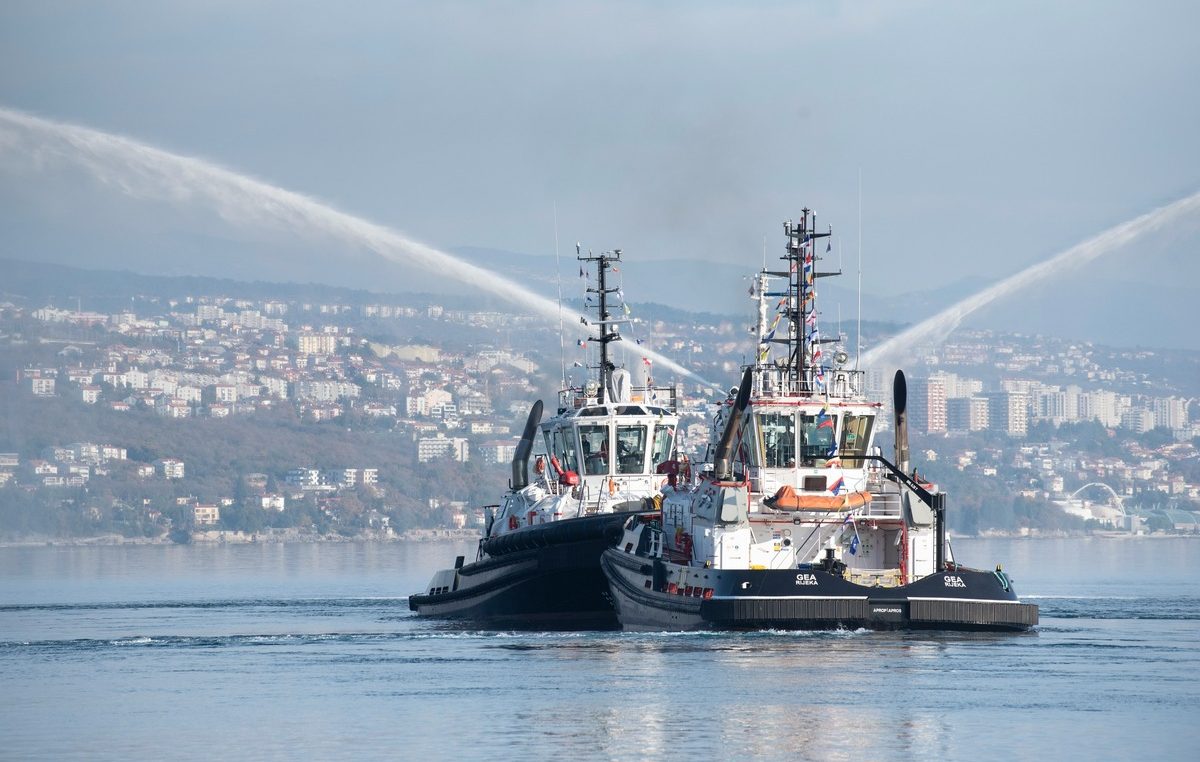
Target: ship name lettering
point(953, 581)
point(806, 579)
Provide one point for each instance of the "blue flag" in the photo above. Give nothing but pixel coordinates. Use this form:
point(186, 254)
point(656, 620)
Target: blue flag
point(854, 545)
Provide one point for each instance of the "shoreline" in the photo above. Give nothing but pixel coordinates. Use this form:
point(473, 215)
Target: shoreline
point(230, 537)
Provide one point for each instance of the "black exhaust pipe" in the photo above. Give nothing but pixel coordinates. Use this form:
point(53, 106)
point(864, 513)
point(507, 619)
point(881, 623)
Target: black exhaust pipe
point(723, 461)
point(900, 406)
point(520, 464)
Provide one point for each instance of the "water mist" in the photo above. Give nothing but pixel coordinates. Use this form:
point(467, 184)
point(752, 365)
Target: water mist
point(150, 173)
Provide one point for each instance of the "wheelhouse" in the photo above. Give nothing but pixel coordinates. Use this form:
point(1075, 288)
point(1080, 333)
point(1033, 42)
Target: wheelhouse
point(612, 440)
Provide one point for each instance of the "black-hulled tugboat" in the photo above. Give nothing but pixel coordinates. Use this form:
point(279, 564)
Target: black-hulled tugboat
point(604, 456)
point(801, 523)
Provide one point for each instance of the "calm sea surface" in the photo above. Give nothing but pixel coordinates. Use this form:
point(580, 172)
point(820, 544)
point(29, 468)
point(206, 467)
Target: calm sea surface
point(309, 651)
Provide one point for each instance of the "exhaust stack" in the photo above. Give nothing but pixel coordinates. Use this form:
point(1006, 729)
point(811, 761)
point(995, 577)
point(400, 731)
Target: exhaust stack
point(900, 406)
point(520, 464)
point(723, 462)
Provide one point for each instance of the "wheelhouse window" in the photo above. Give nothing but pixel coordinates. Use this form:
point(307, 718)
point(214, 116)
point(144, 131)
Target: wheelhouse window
point(563, 447)
point(631, 449)
point(816, 432)
point(594, 441)
point(664, 445)
point(856, 434)
point(777, 433)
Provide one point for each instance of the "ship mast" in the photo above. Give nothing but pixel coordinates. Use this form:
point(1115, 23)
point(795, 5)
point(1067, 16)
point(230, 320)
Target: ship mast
point(606, 324)
point(801, 274)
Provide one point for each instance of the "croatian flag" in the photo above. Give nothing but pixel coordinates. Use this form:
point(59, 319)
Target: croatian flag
point(837, 487)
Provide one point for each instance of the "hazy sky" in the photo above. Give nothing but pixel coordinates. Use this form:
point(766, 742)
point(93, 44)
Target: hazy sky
point(989, 135)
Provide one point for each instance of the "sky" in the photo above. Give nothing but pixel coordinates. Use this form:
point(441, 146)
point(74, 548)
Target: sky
point(988, 136)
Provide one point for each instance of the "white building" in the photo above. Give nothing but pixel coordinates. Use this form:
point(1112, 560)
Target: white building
point(498, 450)
point(316, 343)
point(325, 391)
point(275, 387)
point(226, 393)
point(1170, 413)
point(967, 414)
point(1007, 412)
point(172, 408)
point(136, 379)
point(170, 468)
point(927, 404)
point(205, 515)
point(42, 387)
point(1138, 421)
point(273, 502)
point(441, 446)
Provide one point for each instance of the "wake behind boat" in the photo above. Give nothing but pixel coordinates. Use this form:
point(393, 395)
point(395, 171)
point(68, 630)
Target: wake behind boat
point(604, 455)
point(801, 523)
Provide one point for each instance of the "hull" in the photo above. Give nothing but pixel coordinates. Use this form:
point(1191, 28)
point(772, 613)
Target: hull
point(546, 577)
point(805, 599)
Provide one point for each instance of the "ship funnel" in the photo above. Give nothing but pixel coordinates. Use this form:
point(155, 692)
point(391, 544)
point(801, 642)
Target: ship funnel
point(723, 462)
point(520, 464)
point(900, 406)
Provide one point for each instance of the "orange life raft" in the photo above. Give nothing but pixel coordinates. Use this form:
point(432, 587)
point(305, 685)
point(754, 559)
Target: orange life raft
point(788, 499)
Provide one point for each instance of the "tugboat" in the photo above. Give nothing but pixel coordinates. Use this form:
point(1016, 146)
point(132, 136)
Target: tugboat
point(801, 523)
point(604, 456)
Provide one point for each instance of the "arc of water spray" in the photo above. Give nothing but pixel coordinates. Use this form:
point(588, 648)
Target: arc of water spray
point(890, 354)
point(143, 171)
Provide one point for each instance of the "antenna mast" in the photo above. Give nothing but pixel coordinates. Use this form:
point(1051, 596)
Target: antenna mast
point(607, 334)
point(801, 247)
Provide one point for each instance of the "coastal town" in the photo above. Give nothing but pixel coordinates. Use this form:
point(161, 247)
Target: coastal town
point(210, 417)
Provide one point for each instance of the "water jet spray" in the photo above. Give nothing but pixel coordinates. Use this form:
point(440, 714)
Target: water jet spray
point(889, 355)
point(146, 172)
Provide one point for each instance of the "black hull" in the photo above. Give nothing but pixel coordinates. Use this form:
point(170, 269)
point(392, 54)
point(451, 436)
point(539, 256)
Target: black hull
point(547, 578)
point(807, 599)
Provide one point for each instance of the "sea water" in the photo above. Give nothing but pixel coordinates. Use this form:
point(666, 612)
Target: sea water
point(309, 651)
